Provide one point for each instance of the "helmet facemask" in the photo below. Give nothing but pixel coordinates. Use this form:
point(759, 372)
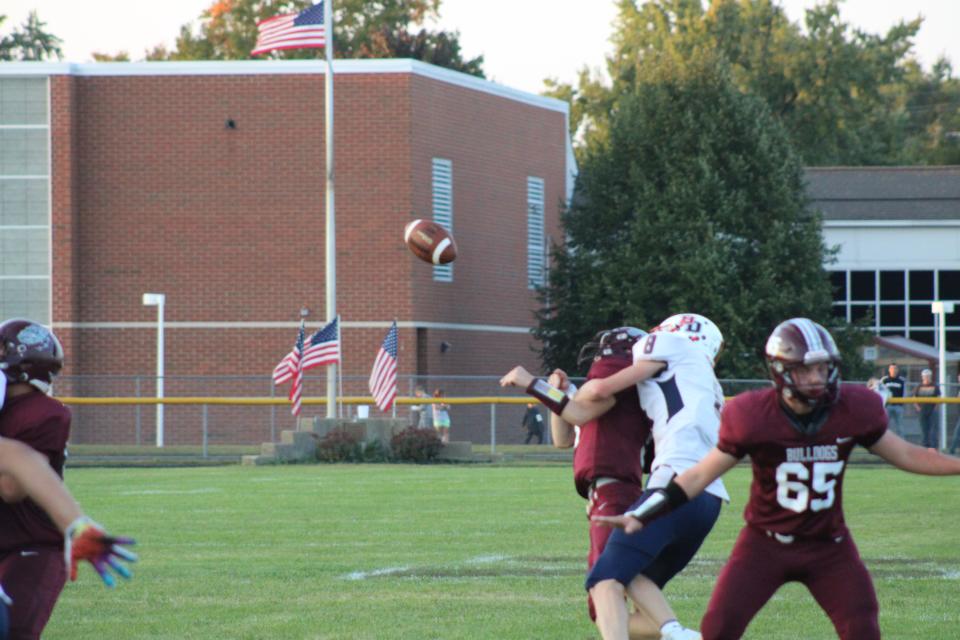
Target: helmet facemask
point(610, 343)
point(801, 342)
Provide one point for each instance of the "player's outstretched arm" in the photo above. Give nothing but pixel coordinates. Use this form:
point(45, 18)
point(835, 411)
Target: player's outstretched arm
point(660, 502)
point(31, 473)
point(605, 388)
point(914, 459)
point(562, 432)
point(84, 539)
point(574, 410)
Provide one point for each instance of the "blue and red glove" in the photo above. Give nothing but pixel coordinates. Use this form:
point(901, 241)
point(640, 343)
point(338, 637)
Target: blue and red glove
point(87, 540)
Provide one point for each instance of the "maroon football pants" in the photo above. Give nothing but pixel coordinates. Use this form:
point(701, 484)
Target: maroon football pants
point(33, 578)
point(759, 565)
point(609, 500)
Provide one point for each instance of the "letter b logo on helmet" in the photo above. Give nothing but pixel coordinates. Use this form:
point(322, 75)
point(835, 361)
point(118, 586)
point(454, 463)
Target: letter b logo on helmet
point(701, 331)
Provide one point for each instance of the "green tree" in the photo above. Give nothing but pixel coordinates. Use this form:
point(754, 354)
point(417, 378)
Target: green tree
point(30, 42)
point(932, 103)
point(835, 88)
point(362, 29)
point(693, 202)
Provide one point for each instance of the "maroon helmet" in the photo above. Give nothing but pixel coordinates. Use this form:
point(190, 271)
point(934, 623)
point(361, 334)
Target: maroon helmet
point(29, 352)
point(609, 343)
point(798, 342)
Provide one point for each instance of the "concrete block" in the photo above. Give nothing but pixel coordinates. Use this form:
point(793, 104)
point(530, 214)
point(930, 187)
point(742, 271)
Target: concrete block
point(456, 451)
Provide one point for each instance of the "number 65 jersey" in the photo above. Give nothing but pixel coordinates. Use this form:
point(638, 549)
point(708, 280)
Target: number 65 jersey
point(797, 487)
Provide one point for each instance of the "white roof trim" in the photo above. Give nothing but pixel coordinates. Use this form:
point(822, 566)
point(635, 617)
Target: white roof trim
point(275, 67)
point(874, 224)
point(372, 324)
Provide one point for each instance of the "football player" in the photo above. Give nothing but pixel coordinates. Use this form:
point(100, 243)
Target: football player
point(673, 371)
point(32, 570)
point(607, 469)
point(799, 435)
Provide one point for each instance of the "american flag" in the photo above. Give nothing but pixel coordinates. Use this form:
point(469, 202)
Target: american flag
point(383, 378)
point(296, 390)
point(302, 30)
point(323, 347)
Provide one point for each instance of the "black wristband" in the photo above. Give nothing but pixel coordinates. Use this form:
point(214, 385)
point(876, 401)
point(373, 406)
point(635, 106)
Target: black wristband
point(676, 496)
point(551, 397)
point(659, 503)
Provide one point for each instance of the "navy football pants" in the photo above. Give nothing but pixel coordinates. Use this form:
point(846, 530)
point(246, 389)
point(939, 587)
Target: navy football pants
point(661, 549)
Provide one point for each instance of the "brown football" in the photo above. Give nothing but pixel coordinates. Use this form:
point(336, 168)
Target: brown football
point(430, 242)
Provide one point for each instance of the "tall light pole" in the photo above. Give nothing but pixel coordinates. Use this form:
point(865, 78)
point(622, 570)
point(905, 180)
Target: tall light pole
point(158, 300)
point(941, 309)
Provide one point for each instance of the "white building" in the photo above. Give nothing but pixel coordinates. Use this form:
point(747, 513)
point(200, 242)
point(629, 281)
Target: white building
point(898, 234)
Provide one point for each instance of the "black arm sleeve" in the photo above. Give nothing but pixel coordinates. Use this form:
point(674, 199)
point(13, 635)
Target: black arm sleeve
point(660, 503)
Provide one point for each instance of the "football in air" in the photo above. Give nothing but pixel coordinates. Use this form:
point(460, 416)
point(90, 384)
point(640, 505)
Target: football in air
point(430, 242)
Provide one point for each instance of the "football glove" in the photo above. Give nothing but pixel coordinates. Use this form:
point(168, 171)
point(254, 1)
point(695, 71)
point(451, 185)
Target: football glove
point(87, 540)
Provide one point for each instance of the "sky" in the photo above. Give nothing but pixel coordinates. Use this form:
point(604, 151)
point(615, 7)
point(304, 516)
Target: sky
point(522, 41)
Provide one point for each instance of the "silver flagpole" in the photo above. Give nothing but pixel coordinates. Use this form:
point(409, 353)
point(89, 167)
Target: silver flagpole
point(331, 231)
point(340, 377)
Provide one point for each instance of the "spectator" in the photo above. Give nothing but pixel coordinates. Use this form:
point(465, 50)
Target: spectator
point(419, 413)
point(956, 428)
point(441, 417)
point(874, 385)
point(928, 411)
point(896, 385)
point(533, 423)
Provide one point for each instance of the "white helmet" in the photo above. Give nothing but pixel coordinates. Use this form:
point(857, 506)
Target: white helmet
point(700, 329)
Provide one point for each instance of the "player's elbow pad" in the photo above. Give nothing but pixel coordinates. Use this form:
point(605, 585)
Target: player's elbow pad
point(660, 503)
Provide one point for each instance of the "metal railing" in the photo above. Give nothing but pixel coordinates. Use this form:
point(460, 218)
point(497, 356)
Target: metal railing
point(114, 418)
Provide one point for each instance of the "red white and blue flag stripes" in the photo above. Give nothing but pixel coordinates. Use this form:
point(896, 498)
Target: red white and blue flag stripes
point(304, 30)
point(321, 348)
point(383, 378)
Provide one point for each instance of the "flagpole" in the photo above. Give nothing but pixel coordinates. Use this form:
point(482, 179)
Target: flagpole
point(393, 409)
point(304, 312)
point(340, 369)
point(331, 244)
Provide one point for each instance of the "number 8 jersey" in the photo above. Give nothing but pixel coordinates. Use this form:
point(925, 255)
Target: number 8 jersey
point(683, 401)
point(797, 487)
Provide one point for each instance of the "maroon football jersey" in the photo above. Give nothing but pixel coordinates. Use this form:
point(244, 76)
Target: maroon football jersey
point(610, 445)
point(797, 484)
point(43, 423)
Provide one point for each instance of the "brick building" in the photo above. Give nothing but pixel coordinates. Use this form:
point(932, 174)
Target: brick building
point(205, 181)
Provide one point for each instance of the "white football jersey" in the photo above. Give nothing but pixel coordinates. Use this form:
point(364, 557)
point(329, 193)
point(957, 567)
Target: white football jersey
point(684, 402)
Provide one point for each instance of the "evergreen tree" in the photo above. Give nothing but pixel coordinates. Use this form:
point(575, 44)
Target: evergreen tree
point(30, 42)
point(694, 201)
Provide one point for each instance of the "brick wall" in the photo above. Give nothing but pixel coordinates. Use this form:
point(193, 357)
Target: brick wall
point(153, 192)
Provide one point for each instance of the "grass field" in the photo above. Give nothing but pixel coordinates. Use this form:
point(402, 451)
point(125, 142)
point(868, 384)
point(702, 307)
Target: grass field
point(472, 551)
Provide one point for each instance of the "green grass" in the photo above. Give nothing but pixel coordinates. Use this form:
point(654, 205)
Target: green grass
point(473, 551)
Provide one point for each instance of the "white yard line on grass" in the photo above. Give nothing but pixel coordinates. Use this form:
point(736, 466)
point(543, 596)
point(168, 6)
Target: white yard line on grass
point(363, 575)
point(170, 492)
